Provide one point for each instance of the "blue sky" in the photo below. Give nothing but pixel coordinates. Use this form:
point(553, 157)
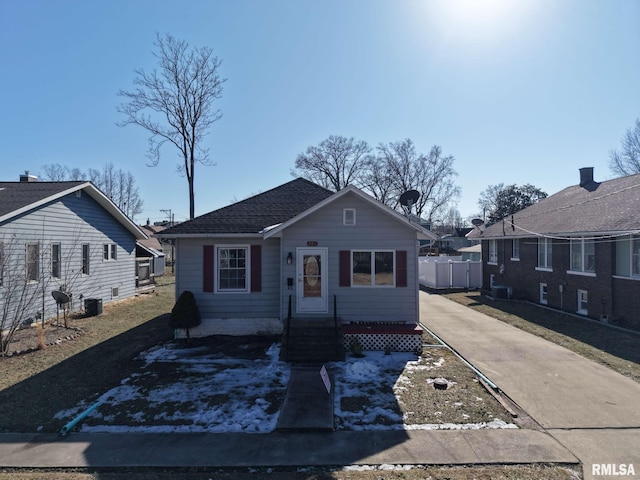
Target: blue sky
point(519, 92)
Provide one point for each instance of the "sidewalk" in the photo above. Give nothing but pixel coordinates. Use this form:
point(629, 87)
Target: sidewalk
point(443, 447)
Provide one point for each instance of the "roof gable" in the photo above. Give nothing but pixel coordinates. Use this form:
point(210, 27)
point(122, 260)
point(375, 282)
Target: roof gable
point(254, 214)
point(612, 206)
point(359, 193)
point(17, 198)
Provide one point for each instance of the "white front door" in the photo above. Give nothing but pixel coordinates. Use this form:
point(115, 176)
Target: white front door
point(312, 280)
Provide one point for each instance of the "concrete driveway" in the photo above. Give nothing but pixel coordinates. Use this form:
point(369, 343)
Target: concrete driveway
point(590, 409)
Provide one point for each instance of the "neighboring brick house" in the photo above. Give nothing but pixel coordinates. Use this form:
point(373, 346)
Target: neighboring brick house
point(577, 250)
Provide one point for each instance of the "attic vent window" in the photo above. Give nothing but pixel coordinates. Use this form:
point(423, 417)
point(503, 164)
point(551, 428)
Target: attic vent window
point(349, 216)
point(78, 193)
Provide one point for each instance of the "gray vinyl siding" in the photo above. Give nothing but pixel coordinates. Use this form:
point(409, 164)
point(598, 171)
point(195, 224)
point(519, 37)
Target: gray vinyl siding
point(374, 230)
point(71, 221)
point(189, 275)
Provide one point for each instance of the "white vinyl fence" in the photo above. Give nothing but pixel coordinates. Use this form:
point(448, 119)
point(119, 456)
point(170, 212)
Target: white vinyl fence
point(449, 272)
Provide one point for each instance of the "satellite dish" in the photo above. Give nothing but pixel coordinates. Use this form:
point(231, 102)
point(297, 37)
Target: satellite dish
point(61, 298)
point(409, 198)
point(476, 222)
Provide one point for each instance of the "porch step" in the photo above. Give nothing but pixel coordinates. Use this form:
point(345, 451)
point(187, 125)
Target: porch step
point(312, 342)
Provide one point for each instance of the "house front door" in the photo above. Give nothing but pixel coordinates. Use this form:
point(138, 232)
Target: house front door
point(312, 280)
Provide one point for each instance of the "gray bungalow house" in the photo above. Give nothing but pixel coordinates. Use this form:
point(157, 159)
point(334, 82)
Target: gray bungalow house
point(300, 257)
point(61, 236)
point(577, 251)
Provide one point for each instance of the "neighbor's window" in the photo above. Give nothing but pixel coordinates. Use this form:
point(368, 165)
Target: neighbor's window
point(635, 256)
point(109, 251)
point(583, 255)
point(493, 251)
point(371, 268)
point(543, 293)
point(232, 268)
point(583, 302)
point(515, 248)
point(33, 262)
point(2, 259)
point(544, 253)
point(55, 260)
point(84, 268)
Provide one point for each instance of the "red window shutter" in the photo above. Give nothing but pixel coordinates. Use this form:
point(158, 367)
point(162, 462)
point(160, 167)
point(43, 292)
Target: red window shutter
point(401, 268)
point(345, 268)
point(256, 268)
point(207, 268)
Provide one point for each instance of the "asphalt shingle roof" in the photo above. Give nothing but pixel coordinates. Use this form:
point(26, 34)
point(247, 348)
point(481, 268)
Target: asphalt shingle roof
point(252, 215)
point(17, 195)
point(609, 206)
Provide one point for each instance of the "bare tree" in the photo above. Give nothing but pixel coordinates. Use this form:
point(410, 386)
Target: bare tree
point(55, 172)
point(376, 180)
point(627, 160)
point(22, 283)
point(431, 175)
point(118, 185)
point(335, 163)
point(176, 104)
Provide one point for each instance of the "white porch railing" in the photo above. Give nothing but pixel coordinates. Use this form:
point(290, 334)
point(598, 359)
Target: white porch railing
point(449, 272)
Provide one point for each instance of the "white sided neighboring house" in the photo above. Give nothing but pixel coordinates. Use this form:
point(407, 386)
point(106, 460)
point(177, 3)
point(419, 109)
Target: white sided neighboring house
point(61, 236)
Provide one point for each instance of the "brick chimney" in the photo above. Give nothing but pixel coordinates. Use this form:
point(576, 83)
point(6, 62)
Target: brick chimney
point(26, 177)
point(586, 176)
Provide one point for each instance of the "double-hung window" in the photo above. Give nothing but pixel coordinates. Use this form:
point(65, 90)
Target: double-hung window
point(2, 260)
point(373, 268)
point(635, 256)
point(544, 253)
point(84, 266)
point(583, 255)
point(515, 249)
point(493, 251)
point(55, 260)
point(232, 268)
point(33, 262)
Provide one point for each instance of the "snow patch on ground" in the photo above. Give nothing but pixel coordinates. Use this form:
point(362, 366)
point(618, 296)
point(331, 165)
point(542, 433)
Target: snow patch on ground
point(187, 403)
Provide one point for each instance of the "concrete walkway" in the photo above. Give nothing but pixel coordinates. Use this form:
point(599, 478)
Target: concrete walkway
point(593, 411)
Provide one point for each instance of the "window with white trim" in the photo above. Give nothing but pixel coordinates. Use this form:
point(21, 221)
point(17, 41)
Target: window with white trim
point(583, 302)
point(33, 262)
point(544, 252)
point(635, 256)
point(2, 260)
point(84, 268)
point(373, 268)
point(56, 260)
point(232, 268)
point(109, 252)
point(349, 216)
point(543, 293)
point(583, 255)
point(515, 249)
point(493, 251)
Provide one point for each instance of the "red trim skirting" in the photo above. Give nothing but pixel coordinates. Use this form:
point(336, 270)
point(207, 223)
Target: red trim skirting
point(388, 329)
